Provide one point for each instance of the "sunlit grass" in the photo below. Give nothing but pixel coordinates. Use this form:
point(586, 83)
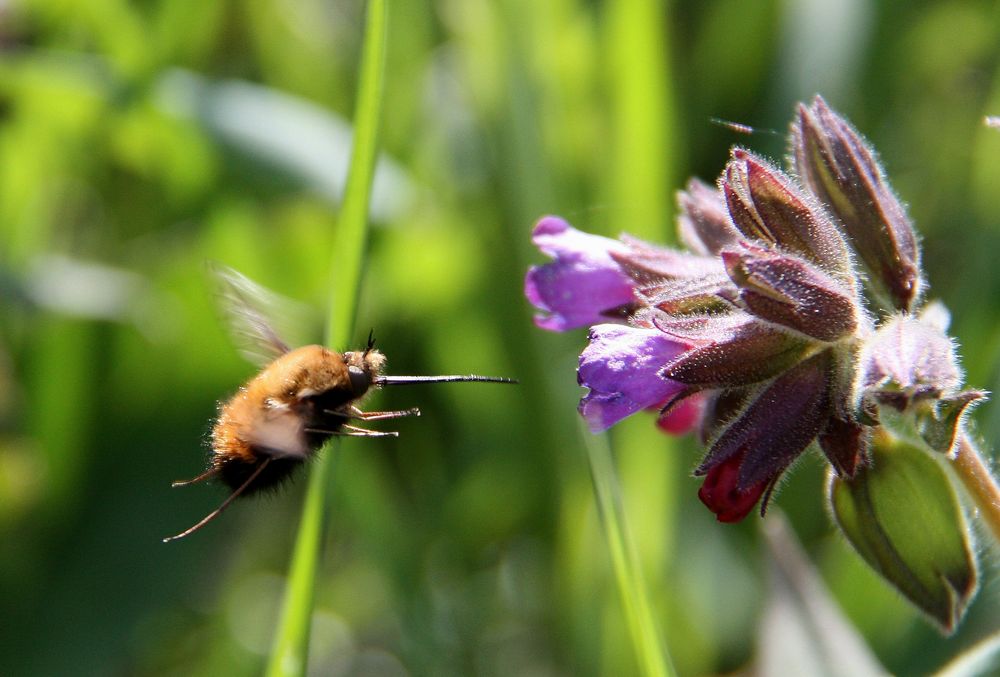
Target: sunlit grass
point(290, 653)
point(643, 629)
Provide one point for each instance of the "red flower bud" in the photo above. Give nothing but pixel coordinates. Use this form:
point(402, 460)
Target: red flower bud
point(722, 494)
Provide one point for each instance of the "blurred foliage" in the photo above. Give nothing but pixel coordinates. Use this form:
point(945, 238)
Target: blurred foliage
point(139, 140)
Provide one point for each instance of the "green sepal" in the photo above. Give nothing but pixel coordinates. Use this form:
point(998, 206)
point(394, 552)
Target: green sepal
point(901, 513)
point(939, 424)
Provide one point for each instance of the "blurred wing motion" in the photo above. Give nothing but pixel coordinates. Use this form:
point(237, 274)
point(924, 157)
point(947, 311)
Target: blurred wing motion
point(253, 315)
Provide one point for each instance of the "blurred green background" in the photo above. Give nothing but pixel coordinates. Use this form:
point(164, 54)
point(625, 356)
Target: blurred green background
point(139, 140)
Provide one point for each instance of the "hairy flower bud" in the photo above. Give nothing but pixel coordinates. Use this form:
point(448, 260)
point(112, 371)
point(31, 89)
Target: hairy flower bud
point(703, 222)
point(777, 424)
point(909, 358)
point(841, 169)
point(730, 355)
point(723, 494)
point(769, 207)
point(791, 292)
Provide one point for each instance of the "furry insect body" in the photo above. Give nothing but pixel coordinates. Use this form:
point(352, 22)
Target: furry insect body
point(300, 399)
point(287, 412)
point(283, 415)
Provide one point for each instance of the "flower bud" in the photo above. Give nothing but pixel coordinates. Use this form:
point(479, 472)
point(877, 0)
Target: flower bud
point(768, 206)
point(703, 222)
point(791, 292)
point(732, 355)
point(903, 517)
point(841, 169)
point(722, 493)
point(779, 421)
point(909, 359)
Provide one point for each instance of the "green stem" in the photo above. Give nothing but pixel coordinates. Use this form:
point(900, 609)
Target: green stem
point(639, 619)
point(290, 651)
point(979, 482)
point(352, 228)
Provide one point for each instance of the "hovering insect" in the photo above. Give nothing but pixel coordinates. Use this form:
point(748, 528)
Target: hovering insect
point(300, 399)
point(740, 127)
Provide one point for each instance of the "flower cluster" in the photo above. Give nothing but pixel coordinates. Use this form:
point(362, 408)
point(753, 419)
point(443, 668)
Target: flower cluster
point(792, 317)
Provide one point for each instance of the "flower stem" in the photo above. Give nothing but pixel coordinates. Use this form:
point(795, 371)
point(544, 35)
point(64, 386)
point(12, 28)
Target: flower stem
point(650, 652)
point(979, 482)
point(290, 651)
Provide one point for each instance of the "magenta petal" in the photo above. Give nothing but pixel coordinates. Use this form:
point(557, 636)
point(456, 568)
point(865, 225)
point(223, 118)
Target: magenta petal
point(683, 416)
point(621, 368)
point(583, 281)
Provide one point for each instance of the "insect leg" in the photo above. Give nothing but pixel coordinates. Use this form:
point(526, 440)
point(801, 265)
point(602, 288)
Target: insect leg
point(352, 431)
point(211, 472)
point(381, 415)
point(225, 504)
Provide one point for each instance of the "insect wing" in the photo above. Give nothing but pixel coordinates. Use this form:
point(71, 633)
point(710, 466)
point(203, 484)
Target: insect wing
point(253, 315)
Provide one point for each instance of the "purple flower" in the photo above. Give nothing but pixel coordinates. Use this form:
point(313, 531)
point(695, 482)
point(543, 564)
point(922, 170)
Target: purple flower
point(583, 285)
point(766, 334)
point(621, 368)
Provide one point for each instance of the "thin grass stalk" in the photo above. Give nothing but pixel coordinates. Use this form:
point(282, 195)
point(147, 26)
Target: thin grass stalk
point(642, 628)
point(643, 166)
point(290, 650)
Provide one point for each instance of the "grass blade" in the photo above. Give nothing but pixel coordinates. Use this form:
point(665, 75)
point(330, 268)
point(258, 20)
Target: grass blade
point(650, 651)
point(290, 651)
point(637, 39)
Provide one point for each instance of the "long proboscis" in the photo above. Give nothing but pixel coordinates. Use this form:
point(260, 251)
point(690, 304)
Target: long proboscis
point(410, 380)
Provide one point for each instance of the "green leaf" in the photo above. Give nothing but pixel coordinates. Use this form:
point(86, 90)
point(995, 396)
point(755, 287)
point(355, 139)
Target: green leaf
point(903, 517)
point(939, 425)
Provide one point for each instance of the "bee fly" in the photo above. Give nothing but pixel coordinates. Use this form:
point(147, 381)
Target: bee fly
point(282, 416)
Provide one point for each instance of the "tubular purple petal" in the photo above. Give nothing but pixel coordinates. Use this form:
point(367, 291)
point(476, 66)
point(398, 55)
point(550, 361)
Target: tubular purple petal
point(620, 367)
point(582, 284)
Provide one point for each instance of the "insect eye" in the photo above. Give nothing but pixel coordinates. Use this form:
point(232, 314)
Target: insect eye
point(359, 380)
